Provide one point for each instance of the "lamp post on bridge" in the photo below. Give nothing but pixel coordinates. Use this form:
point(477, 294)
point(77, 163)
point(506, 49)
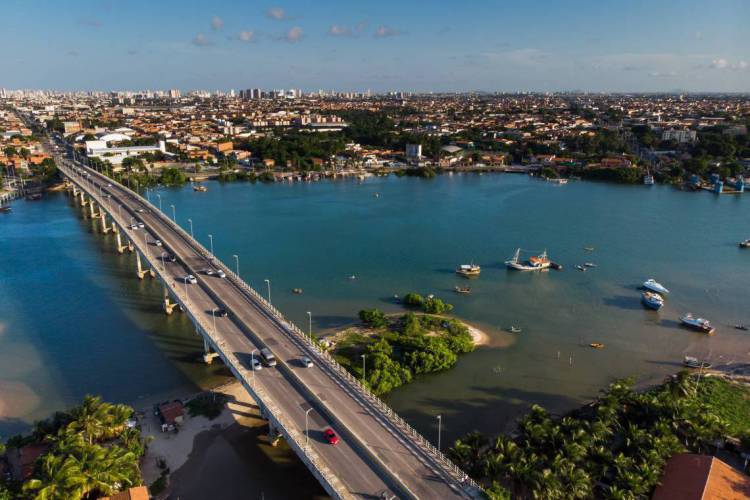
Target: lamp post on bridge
point(190, 221)
point(440, 425)
point(309, 324)
point(268, 283)
point(237, 261)
point(307, 428)
point(211, 240)
point(174, 216)
point(252, 363)
point(159, 196)
point(364, 356)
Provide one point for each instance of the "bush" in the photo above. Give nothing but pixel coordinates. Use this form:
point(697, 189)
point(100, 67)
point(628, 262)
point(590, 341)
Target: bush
point(413, 299)
point(436, 306)
point(372, 317)
point(210, 405)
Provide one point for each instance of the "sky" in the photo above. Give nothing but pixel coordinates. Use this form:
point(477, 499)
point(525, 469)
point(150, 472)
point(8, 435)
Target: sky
point(355, 45)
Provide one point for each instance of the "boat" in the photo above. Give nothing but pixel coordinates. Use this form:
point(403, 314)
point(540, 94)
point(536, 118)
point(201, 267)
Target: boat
point(589, 249)
point(556, 266)
point(298, 291)
point(353, 277)
point(745, 244)
point(692, 362)
point(654, 286)
point(536, 263)
point(700, 324)
point(557, 180)
point(648, 179)
point(515, 329)
point(468, 270)
point(596, 345)
point(34, 197)
point(742, 327)
point(5, 209)
point(589, 264)
point(198, 187)
point(462, 289)
point(652, 300)
point(580, 267)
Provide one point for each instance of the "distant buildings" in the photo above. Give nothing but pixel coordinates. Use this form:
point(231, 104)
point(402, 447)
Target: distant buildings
point(413, 152)
point(682, 136)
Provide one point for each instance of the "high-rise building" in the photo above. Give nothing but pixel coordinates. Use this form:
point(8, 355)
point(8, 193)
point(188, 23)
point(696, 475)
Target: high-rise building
point(414, 151)
point(3, 94)
point(175, 93)
point(257, 94)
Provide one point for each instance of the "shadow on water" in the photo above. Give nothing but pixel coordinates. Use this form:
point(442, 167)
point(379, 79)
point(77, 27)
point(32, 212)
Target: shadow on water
point(664, 363)
point(326, 322)
point(393, 300)
point(623, 302)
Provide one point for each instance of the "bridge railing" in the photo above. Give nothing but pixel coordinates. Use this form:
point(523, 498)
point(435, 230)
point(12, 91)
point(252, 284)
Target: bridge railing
point(438, 457)
point(283, 424)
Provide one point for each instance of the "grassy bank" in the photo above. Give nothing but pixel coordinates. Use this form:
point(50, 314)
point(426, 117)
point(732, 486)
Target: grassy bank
point(730, 401)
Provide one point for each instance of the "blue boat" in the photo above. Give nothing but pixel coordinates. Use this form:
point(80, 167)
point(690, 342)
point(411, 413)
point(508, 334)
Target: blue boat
point(652, 300)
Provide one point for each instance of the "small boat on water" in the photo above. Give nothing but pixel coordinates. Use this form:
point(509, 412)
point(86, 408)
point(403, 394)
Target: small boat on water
point(596, 345)
point(589, 264)
point(745, 244)
point(589, 249)
point(556, 266)
point(462, 289)
point(654, 286)
point(700, 324)
point(34, 197)
point(468, 270)
point(692, 362)
point(742, 327)
point(5, 209)
point(515, 329)
point(652, 300)
point(557, 180)
point(580, 267)
point(353, 277)
point(200, 188)
point(297, 291)
point(536, 263)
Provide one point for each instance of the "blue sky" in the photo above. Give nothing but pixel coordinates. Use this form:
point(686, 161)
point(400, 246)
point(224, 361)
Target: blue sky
point(420, 45)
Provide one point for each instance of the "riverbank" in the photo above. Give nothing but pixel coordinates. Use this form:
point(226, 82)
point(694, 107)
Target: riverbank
point(229, 457)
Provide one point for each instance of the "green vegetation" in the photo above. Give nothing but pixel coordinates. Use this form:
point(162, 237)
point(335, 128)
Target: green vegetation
point(613, 448)
point(730, 401)
point(300, 150)
point(430, 304)
point(209, 405)
point(401, 347)
point(92, 453)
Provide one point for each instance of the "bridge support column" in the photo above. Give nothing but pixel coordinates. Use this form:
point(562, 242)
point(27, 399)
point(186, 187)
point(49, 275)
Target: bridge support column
point(92, 207)
point(274, 436)
point(208, 356)
point(120, 248)
point(168, 305)
point(114, 227)
point(75, 191)
point(103, 218)
point(130, 246)
point(83, 199)
point(140, 272)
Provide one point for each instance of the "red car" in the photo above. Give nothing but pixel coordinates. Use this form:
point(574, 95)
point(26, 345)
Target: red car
point(330, 436)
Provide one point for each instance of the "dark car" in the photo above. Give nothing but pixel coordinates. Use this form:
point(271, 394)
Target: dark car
point(168, 257)
point(330, 436)
point(222, 313)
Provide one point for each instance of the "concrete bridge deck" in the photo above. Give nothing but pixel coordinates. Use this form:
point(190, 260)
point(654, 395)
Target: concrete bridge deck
point(378, 456)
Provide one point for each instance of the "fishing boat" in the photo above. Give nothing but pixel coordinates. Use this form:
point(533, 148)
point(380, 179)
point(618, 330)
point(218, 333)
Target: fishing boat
point(200, 188)
point(5, 209)
point(462, 289)
point(742, 327)
point(596, 345)
point(468, 270)
point(515, 329)
point(589, 264)
point(536, 263)
point(692, 362)
point(700, 324)
point(745, 244)
point(297, 291)
point(652, 300)
point(580, 267)
point(589, 249)
point(654, 286)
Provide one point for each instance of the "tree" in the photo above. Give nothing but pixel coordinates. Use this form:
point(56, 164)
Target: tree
point(413, 299)
point(373, 318)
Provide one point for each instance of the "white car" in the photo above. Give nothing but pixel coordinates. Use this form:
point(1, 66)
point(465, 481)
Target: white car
point(134, 227)
point(256, 365)
point(220, 273)
point(141, 225)
point(190, 279)
point(157, 243)
point(306, 362)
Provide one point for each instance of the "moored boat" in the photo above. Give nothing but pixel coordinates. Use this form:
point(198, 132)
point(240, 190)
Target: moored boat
point(468, 270)
point(648, 179)
point(700, 324)
point(596, 345)
point(652, 300)
point(745, 244)
point(198, 187)
point(654, 286)
point(515, 329)
point(692, 362)
point(297, 291)
point(536, 263)
point(462, 289)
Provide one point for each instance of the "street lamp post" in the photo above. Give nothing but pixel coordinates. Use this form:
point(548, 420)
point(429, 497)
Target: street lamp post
point(211, 239)
point(252, 363)
point(159, 196)
point(174, 217)
point(309, 324)
point(364, 356)
point(307, 428)
point(185, 280)
point(237, 261)
point(213, 313)
point(190, 221)
point(268, 283)
point(440, 425)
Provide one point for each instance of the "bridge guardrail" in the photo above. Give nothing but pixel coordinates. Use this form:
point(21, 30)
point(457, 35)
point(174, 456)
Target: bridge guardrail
point(438, 458)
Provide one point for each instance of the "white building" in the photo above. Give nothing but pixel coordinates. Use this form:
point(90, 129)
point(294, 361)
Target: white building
point(414, 152)
point(682, 136)
point(115, 155)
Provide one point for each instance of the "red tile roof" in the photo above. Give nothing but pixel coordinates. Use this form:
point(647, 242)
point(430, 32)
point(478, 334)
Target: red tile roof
point(701, 477)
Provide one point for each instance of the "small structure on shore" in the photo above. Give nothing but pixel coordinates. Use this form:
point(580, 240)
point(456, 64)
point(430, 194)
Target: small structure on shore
point(171, 415)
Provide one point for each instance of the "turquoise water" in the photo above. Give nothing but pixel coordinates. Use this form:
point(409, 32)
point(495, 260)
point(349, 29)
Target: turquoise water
point(409, 238)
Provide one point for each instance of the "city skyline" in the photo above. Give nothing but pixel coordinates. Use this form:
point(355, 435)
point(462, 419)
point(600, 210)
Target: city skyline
point(629, 47)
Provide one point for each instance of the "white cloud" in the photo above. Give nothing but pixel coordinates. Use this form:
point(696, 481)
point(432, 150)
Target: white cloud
point(293, 35)
point(719, 63)
point(723, 63)
point(201, 40)
point(277, 13)
point(217, 23)
point(663, 74)
point(383, 31)
point(246, 36)
point(339, 30)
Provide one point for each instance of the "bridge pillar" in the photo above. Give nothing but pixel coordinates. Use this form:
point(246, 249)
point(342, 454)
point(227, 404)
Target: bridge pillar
point(114, 227)
point(120, 248)
point(140, 272)
point(274, 436)
point(83, 199)
point(168, 305)
point(130, 246)
point(92, 206)
point(208, 356)
point(75, 191)
point(103, 218)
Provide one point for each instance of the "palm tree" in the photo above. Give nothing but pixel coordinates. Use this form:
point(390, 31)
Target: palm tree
point(59, 479)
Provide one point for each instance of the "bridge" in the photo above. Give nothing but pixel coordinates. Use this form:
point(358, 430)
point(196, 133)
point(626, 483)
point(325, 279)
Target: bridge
point(378, 455)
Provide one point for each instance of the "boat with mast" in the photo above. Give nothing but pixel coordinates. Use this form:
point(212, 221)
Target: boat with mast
point(535, 263)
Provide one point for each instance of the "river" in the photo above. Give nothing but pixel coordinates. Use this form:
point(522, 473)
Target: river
point(75, 320)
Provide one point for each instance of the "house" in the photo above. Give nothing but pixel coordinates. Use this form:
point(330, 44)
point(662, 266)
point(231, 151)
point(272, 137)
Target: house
point(21, 460)
point(137, 493)
point(701, 477)
point(171, 414)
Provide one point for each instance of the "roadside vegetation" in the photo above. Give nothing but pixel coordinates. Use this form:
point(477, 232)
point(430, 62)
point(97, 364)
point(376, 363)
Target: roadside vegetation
point(614, 448)
point(208, 404)
point(398, 348)
point(90, 452)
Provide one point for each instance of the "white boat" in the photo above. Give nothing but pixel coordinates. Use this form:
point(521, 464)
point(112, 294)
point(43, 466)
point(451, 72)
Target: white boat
point(533, 264)
point(692, 362)
point(589, 264)
point(468, 270)
point(700, 324)
point(654, 286)
point(745, 244)
point(558, 180)
point(652, 300)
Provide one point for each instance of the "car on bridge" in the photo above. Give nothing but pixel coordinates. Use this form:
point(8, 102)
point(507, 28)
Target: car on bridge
point(157, 243)
point(215, 272)
point(306, 362)
point(330, 436)
point(255, 365)
point(268, 356)
point(190, 279)
point(168, 257)
point(222, 313)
